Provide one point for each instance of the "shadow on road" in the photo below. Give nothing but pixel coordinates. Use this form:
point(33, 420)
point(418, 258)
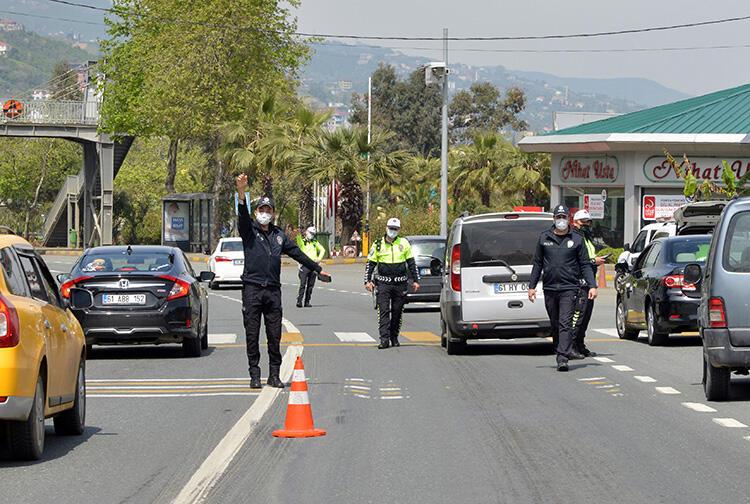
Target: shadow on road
point(676, 341)
point(141, 352)
point(54, 447)
point(509, 348)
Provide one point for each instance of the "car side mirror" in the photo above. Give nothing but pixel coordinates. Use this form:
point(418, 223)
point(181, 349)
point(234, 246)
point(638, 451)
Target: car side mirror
point(80, 299)
point(626, 247)
point(206, 276)
point(622, 268)
point(693, 274)
point(62, 278)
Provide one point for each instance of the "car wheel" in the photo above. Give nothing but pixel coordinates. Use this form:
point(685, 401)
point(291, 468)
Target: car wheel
point(204, 337)
point(191, 347)
point(73, 421)
point(623, 330)
point(27, 436)
point(715, 381)
point(443, 339)
point(655, 338)
point(454, 348)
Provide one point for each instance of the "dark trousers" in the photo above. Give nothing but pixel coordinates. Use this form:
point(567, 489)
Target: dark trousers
point(582, 317)
point(391, 299)
point(306, 284)
point(265, 301)
point(560, 306)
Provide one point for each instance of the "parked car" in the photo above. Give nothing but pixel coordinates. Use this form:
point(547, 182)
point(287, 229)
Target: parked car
point(723, 316)
point(429, 254)
point(227, 262)
point(654, 295)
point(486, 279)
point(141, 294)
point(42, 354)
point(648, 233)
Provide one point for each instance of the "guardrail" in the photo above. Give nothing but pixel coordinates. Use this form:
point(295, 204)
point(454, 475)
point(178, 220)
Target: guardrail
point(49, 112)
point(72, 189)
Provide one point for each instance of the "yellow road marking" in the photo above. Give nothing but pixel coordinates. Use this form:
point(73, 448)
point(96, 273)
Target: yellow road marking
point(292, 337)
point(422, 336)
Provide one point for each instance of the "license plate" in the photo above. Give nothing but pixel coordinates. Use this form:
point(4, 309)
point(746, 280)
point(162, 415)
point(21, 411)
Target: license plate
point(504, 288)
point(425, 271)
point(124, 299)
point(239, 262)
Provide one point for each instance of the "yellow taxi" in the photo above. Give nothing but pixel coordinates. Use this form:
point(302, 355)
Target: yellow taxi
point(42, 353)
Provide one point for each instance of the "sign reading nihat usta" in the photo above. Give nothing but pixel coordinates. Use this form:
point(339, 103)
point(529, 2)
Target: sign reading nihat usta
point(657, 169)
point(600, 169)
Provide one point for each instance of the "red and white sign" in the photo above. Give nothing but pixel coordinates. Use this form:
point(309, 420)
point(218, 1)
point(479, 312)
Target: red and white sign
point(594, 203)
point(656, 207)
point(589, 170)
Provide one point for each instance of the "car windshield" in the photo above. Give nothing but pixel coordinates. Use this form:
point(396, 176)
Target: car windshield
point(493, 243)
point(430, 248)
point(689, 251)
point(115, 261)
point(231, 246)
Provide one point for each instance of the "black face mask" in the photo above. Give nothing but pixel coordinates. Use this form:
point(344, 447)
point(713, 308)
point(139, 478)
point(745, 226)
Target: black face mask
point(586, 230)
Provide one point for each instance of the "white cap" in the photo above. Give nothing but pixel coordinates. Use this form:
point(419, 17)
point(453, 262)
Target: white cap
point(582, 215)
point(312, 230)
point(394, 223)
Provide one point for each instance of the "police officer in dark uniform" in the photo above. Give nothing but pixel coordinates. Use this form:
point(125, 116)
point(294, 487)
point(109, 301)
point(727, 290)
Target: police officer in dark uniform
point(561, 260)
point(584, 306)
point(263, 245)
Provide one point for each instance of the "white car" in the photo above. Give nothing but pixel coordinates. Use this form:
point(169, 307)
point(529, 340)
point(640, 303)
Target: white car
point(227, 262)
point(649, 233)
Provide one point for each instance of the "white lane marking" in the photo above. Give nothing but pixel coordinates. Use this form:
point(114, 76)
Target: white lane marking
point(667, 390)
point(357, 387)
point(354, 337)
point(198, 394)
point(168, 387)
point(393, 397)
point(701, 408)
point(729, 422)
point(289, 326)
point(596, 378)
point(645, 379)
point(608, 332)
point(606, 360)
point(390, 389)
point(608, 386)
point(746, 438)
point(365, 294)
point(221, 338)
point(217, 462)
point(157, 380)
point(621, 367)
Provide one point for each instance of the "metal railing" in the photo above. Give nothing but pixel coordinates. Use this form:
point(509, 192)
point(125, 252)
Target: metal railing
point(71, 190)
point(49, 112)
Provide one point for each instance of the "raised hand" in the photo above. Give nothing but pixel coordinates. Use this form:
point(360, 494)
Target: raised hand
point(241, 182)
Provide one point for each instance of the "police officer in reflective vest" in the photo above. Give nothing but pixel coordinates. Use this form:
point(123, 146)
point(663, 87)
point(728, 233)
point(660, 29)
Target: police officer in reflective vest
point(585, 306)
point(392, 256)
point(312, 248)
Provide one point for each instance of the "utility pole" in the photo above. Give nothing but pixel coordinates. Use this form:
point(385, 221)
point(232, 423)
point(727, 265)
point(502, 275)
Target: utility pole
point(369, 138)
point(444, 144)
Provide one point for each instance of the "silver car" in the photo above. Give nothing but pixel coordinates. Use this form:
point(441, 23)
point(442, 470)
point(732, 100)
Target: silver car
point(486, 279)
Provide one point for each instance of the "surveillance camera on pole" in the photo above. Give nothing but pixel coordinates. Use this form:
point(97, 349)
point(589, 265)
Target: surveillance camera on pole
point(434, 72)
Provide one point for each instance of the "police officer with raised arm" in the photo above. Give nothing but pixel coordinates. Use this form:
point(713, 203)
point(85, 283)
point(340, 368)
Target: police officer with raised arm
point(585, 306)
point(309, 244)
point(561, 260)
point(263, 245)
point(392, 256)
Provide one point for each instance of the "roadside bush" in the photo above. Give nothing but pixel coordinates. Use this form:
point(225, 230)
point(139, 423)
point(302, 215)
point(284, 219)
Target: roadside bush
point(615, 253)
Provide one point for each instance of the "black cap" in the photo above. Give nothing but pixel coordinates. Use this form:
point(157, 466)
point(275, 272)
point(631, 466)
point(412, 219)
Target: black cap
point(561, 210)
point(265, 201)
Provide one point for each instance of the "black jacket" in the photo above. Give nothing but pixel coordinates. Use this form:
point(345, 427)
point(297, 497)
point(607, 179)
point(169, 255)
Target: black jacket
point(561, 262)
point(263, 251)
point(592, 260)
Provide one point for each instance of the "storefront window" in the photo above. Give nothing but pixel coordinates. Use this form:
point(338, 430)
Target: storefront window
point(607, 206)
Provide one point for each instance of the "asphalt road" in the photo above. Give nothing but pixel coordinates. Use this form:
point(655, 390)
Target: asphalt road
point(410, 424)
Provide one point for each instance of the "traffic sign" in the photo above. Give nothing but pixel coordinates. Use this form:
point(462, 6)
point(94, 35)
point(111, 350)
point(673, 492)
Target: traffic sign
point(12, 109)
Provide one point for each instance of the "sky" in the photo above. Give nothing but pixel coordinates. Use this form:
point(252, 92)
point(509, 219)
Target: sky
point(692, 72)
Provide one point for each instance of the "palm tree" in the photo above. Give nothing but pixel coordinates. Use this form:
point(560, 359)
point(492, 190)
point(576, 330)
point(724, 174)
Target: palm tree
point(483, 166)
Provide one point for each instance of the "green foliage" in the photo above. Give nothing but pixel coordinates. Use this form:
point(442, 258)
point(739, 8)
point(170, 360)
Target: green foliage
point(612, 259)
point(483, 108)
point(65, 84)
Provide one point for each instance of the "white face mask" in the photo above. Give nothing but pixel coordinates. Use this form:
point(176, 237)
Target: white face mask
point(391, 233)
point(561, 224)
point(264, 218)
point(309, 235)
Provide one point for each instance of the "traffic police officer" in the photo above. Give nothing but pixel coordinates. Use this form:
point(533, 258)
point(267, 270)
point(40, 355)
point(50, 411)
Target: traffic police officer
point(584, 305)
point(315, 251)
point(393, 258)
point(263, 244)
point(561, 260)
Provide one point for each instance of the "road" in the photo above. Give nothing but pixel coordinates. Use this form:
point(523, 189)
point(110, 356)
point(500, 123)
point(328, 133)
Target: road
point(409, 424)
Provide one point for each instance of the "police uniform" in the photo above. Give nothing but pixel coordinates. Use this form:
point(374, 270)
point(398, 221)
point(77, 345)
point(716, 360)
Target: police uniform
point(584, 305)
point(394, 262)
point(261, 286)
point(561, 260)
point(315, 251)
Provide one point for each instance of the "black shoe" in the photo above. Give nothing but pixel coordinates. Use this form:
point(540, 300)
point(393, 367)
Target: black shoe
point(299, 304)
point(255, 382)
point(588, 353)
point(275, 381)
point(562, 366)
point(395, 342)
point(383, 344)
point(575, 355)
point(308, 305)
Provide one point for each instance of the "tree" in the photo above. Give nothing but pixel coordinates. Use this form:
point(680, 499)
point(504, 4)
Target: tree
point(483, 108)
point(65, 85)
point(483, 166)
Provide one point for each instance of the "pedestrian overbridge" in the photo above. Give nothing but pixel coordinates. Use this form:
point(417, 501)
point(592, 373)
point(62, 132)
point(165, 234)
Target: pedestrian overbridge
point(89, 195)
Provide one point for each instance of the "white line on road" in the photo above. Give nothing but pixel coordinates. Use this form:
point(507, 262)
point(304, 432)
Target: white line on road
point(157, 380)
point(606, 360)
point(197, 394)
point(645, 379)
point(608, 386)
point(729, 422)
point(357, 387)
point(621, 367)
point(216, 463)
point(701, 408)
point(393, 397)
point(608, 332)
point(169, 387)
point(596, 378)
point(221, 338)
point(667, 390)
point(354, 337)
point(290, 328)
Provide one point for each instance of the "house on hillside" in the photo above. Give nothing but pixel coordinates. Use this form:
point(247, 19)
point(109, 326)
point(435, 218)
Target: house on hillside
point(4, 48)
point(9, 25)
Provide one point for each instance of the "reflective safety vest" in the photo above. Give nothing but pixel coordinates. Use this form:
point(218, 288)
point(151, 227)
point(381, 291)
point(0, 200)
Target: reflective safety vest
point(590, 248)
point(394, 261)
point(397, 252)
point(312, 248)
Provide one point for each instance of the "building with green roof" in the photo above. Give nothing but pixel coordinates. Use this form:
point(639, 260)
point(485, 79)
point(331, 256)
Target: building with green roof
point(616, 167)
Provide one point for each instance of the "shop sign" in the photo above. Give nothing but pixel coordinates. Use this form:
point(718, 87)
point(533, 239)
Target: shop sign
point(658, 206)
point(589, 170)
point(657, 169)
point(594, 203)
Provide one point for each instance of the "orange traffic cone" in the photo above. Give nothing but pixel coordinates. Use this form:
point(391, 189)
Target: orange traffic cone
point(299, 419)
point(602, 280)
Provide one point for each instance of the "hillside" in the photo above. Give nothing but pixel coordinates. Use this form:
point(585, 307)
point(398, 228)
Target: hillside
point(30, 59)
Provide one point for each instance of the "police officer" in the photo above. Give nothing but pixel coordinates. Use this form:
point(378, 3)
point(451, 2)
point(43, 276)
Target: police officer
point(263, 245)
point(584, 305)
point(561, 260)
point(312, 248)
point(393, 258)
